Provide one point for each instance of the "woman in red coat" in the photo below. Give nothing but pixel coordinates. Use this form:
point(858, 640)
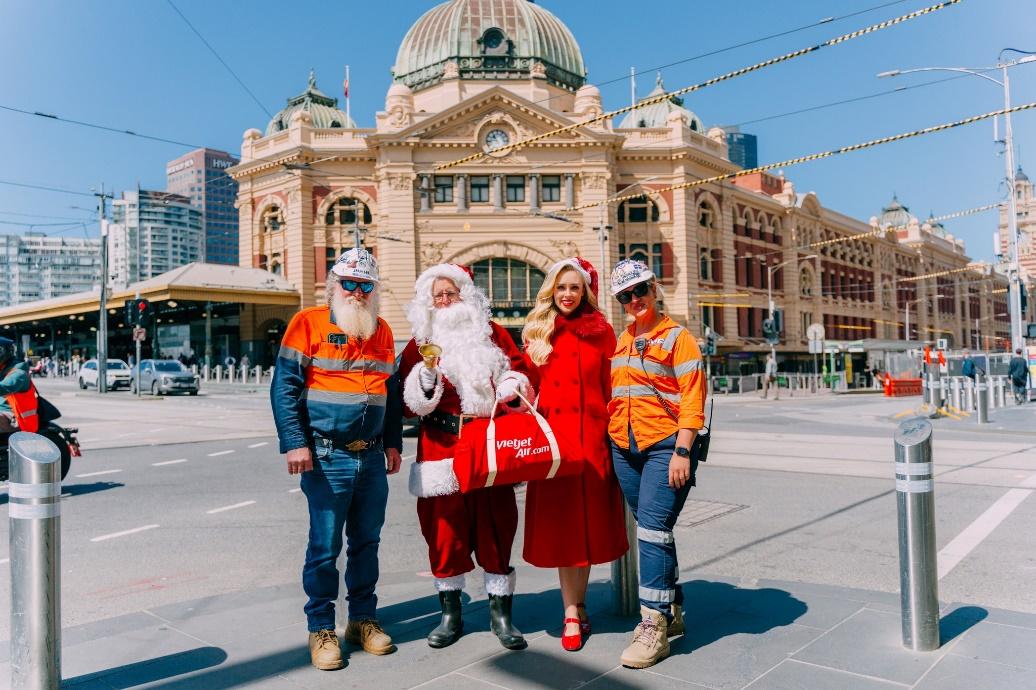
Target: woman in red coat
point(572, 523)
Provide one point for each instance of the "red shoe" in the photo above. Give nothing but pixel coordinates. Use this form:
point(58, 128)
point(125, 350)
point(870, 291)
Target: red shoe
point(584, 625)
point(571, 643)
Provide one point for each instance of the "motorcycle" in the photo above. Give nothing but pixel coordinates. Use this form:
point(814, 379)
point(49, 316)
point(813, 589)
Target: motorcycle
point(62, 437)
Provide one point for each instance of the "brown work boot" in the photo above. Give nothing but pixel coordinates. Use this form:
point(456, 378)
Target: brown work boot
point(650, 643)
point(324, 651)
point(676, 626)
point(369, 634)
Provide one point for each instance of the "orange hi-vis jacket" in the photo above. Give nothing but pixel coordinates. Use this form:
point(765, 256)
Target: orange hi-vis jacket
point(672, 364)
point(24, 404)
point(334, 386)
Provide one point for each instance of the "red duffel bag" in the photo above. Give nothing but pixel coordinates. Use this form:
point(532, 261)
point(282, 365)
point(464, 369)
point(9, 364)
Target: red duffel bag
point(514, 448)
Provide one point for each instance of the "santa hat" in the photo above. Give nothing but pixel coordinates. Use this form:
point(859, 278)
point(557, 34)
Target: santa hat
point(419, 310)
point(583, 267)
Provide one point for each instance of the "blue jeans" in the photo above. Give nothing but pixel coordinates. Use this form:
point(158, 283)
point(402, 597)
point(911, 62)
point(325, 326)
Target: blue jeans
point(644, 478)
point(344, 490)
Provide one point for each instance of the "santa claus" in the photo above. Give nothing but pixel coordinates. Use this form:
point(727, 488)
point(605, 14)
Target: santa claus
point(478, 367)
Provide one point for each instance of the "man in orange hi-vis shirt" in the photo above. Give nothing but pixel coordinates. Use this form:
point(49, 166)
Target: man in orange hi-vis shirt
point(338, 412)
point(656, 410)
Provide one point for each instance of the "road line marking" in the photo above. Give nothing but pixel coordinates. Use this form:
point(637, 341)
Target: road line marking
point(97, 474)
point(973, 535)
point(222, 452)
point(236, 505)
point(259, 445)
point(123, 533)
point(294, 491)
point(168, 462)
point(5, 560)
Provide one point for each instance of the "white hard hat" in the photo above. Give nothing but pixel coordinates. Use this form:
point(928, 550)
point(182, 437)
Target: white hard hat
point(357, 263)
point(629, 272)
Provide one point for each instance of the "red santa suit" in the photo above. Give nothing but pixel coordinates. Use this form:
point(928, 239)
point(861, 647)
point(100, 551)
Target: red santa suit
point(479, 358)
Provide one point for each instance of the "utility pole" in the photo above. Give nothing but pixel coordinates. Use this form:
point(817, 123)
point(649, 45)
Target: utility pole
point(1017, 340)
point(358, 230)
point(602, 229)
point(102, 321)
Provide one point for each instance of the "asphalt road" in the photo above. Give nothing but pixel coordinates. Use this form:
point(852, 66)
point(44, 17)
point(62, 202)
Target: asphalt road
point(798, 490)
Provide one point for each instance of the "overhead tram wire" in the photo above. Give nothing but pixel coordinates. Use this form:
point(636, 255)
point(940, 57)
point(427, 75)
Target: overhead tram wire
point(743, 44)
point(56, 118)
point(806, 159)
point(709, 82)
point(221, 60)
point(45, 188)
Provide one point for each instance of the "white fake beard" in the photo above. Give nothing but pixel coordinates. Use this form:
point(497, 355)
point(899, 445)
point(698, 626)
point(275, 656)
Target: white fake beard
point(355, 316)
point(470, 359)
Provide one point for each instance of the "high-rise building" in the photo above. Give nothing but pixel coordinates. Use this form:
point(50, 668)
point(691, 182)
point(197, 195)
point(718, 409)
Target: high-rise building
point(36, 267)
point(742, 148)
point(151, 233)
point(201, 176)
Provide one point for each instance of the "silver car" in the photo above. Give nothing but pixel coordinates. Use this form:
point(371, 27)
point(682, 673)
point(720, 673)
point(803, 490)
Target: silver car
point(164, 376)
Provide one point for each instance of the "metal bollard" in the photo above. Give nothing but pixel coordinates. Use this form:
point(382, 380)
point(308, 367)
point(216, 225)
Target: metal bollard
point(1001, 391)
point(35, 548)
point(944, 391)
point(258, 371)
point(969, 394)
point(207, 372)
point(955, 391)
point(625, 577)
point(926, 390)
point(981, 399)
point(915, 503)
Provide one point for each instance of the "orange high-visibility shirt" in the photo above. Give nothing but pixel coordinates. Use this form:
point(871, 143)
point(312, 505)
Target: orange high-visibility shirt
point(672, 364)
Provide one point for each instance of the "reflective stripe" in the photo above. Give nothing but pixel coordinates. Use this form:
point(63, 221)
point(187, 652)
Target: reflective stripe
point(660, 596)
point(646, 366)
point(48, 490)
point(687, 367)
point(670, 338)
point(28, 413)
point(344, 398)
point(655, 536)
point(294, 355)
point(353, 365)
point(914, 486)
point(913, 469)
point(34, 511)
point(642, 392)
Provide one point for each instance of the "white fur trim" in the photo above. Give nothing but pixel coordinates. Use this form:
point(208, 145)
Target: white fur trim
point(573, 264)
point(414, 396)
point(449, 584)
point(501, 585)
point(523, 380)
point(433, 478)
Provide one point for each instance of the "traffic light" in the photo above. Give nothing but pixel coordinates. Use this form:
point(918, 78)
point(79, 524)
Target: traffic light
point(772, 327)
point(710, 343)
point(138, 313)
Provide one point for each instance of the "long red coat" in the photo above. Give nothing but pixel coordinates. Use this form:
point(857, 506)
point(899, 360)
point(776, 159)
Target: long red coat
point(577, 521)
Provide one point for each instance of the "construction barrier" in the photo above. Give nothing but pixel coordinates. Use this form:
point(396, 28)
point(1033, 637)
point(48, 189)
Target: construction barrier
point(897, 388)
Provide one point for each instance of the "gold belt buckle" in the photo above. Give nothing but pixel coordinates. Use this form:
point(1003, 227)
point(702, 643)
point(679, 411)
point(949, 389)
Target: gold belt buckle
point(356, 445)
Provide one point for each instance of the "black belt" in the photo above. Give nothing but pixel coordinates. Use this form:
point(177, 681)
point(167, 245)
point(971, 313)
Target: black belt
point(450, 423)
point(351, 446)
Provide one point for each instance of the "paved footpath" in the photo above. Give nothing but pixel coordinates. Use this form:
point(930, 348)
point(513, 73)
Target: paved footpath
point(806, 486)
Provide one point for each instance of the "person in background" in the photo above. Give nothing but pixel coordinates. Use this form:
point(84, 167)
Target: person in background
point(572, 523)
point(18, 400)
point(770, 378)
point(657, 408)
point(967, 367)
point(1018, 371)
point(339, 421)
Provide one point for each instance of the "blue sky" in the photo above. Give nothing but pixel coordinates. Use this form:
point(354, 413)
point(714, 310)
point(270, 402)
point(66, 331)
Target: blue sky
point(134, 64)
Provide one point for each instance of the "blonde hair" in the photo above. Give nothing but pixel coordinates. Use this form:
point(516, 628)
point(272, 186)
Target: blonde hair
point(539, 325)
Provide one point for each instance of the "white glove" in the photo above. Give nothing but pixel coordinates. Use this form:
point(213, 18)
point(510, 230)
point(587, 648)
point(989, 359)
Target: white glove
point(507, 390)
point(428, 378)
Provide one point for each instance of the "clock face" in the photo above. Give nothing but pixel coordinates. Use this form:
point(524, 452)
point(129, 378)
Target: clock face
point(497, 138)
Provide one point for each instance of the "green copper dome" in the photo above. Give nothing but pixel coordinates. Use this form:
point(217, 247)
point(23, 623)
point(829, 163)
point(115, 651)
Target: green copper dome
point(895, 215)
point(489, 39)
point(321, 107)
point(657, 114)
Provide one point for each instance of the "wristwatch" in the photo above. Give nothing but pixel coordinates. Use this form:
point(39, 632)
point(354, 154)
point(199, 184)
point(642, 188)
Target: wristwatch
point(683, 452)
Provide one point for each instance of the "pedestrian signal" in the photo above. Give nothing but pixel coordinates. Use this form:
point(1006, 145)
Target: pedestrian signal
point(710, 343)
point(139, 313)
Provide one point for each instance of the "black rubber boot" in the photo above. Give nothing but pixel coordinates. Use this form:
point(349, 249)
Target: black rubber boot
point(452, 625)
point(500, 622)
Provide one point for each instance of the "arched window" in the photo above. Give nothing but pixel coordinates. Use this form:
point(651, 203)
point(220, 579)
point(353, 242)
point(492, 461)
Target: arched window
point(706, 217)
point(638, 210)
point(343, 212)
point(508, 282)
point(272, 219)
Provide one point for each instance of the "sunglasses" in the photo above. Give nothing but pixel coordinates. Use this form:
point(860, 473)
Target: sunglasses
point(350, 285)
point(638, 290)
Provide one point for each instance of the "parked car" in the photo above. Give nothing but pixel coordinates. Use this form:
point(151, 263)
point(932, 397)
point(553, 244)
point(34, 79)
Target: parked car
point(164, 376)
point(118, 374)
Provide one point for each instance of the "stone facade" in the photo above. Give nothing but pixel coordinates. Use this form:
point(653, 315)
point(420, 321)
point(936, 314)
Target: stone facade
point(304, 190)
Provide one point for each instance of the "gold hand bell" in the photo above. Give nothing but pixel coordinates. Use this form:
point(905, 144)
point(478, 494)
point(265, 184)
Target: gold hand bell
point(431, 353)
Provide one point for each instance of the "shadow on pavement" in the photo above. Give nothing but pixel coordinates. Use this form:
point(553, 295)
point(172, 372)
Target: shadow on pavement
point(539, 670)
point(151, 670)
point(959, 621)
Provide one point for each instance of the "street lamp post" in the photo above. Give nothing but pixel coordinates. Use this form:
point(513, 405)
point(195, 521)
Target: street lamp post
point(906, 314)
point(769, 288)
point(1017, 340)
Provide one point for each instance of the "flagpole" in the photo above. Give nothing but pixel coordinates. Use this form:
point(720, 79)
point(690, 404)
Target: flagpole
point(348, 115)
